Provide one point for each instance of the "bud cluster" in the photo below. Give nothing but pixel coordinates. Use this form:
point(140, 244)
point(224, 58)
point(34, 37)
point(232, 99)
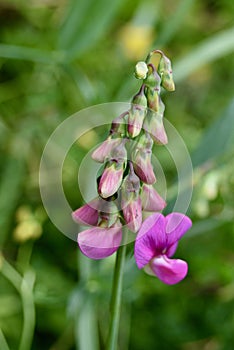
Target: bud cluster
point(125, 186)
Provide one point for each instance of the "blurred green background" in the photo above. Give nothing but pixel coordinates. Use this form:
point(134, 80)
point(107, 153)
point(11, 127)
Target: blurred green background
point(58, 57)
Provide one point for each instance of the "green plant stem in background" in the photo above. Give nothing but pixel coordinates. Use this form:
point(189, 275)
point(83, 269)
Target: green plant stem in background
point(24, 286)
point(116, 296)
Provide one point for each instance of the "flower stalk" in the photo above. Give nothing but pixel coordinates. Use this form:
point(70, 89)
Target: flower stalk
point(115, 305)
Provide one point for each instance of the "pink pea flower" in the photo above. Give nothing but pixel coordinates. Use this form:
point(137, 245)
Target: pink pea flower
point(100, 242)
point(151, 200)
point(156, 243)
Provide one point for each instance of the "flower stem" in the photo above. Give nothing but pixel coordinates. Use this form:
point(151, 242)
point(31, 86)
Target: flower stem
point(116, 296)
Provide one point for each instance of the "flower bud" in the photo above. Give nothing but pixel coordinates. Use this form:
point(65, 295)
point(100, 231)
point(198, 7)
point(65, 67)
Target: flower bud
point(111, 179)
point(119, 153)
point(131, 186)
point(104, 150)
point(151, 200)
point(141, 70)
point(137, 113)
point(143, 167)
point(118, 125)
point(109, 213)
point(165, 70)
point(153, 79)
point(133, 214)
point(153, 124)
point(153, 99)
point(141, 158)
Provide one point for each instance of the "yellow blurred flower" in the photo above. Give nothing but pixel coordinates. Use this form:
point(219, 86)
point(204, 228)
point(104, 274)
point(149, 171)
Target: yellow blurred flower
point(136, 40)
point(29, 225)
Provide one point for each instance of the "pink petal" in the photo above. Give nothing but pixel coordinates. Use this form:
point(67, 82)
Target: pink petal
point(99, 243)
point(110, 180)
point(177, 225)
point(87, 214)
point(151, 239)
point(104, 150)
point(169, 271)
point(151, 200)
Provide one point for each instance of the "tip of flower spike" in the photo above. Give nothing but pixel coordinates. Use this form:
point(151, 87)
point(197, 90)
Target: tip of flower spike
point(141, 70)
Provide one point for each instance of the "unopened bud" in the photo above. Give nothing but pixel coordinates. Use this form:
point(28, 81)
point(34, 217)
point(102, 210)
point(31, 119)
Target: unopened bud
point(119, 153)
point(141, 70)
point(130, 187)
point(141, 159)
point(137, 113)
point(111, 179)
point(109, 213)
point(118, 125)
point(153, 79)
point(153, 124)
point(165, 70)
point(132, 213)
point(153, 99)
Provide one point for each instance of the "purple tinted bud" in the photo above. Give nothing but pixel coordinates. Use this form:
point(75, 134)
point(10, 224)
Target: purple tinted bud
point(87, 214)
point(153, 124)
point(104, 150)
point(119, 153)
point(118, 125)
point(135, 120)
point(111, 179)
point(165, 70)
point(151, 200)
point(143, 167)
point(131, 185)
point(109, 213)
point(141, 158)
point(137, 113)
point(133, 214)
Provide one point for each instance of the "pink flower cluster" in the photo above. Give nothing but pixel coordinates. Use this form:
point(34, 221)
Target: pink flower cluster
point(125, 187)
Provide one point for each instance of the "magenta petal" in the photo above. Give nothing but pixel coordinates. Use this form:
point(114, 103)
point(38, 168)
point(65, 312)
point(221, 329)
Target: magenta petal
point(177, 225)
point(99, 243)
point(87, 214)
point(169, 271)
point(171, 249)
point(151, 239)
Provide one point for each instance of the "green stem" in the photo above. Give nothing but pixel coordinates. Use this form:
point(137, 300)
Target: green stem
point(116, 296)
point(24, 286)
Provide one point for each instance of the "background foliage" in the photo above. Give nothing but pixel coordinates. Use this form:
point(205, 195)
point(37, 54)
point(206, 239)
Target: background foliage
point(57, 57)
